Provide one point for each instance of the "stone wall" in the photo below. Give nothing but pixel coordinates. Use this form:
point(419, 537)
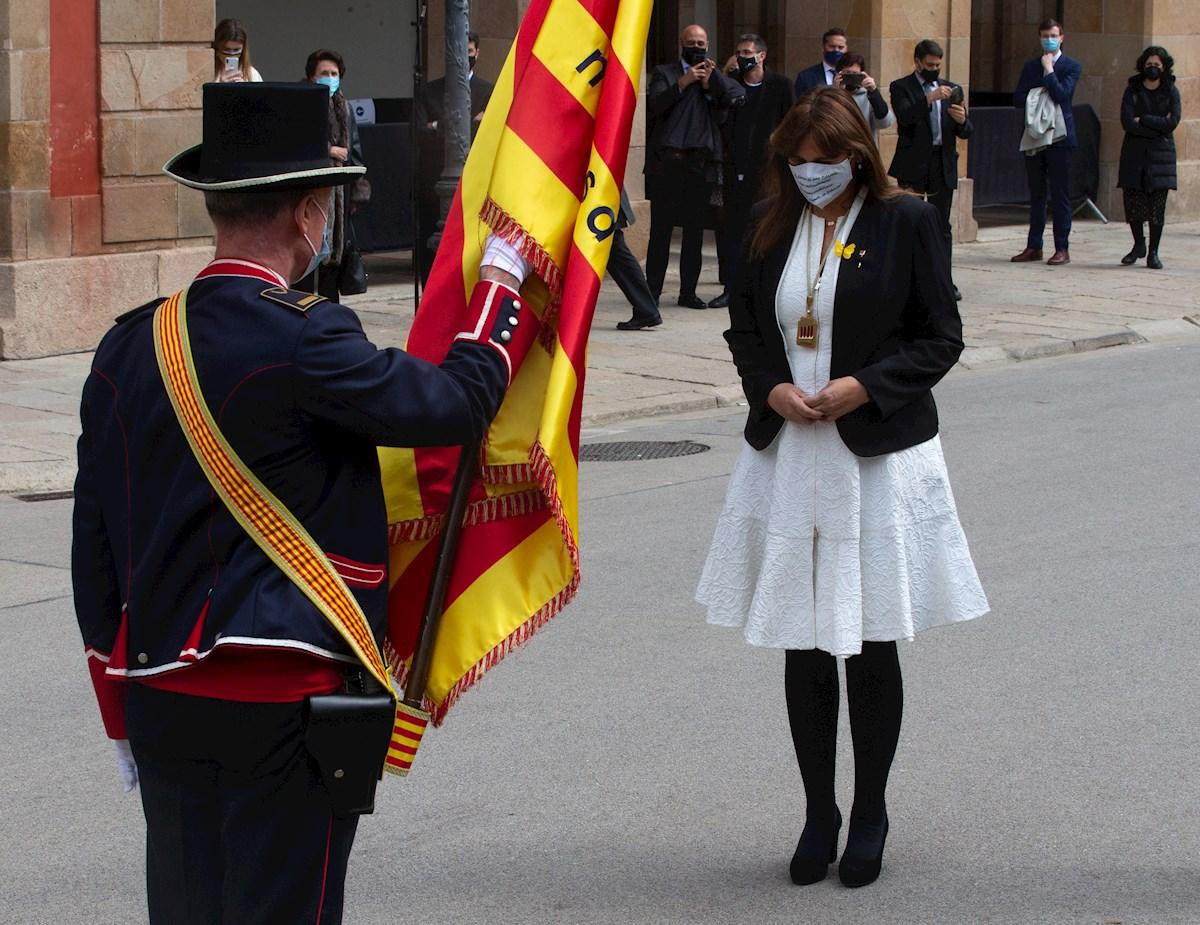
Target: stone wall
point(93, 100)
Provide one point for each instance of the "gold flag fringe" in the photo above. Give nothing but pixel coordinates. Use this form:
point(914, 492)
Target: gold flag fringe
point(541, 469)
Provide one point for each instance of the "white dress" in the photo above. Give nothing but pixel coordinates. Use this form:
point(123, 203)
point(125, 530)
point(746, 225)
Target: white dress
point(819, 548)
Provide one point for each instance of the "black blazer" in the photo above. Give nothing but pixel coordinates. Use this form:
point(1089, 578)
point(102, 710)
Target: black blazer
point(663, 94)
point(914, 144)
point(774, 101)
point(810, 78)
point(896, 328)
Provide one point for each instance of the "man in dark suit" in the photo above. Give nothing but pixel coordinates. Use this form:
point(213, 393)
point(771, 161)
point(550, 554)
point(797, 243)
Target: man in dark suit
point(746, 131)
point(685, 105)
point(930, 115)
point(833, 46)
point(430, 106)
point(205, 655)
point(627, 273)
point(1057, 75)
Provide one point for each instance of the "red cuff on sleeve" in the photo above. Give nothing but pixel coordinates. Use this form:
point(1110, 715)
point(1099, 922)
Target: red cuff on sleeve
point(504, 322)
point(110, 695)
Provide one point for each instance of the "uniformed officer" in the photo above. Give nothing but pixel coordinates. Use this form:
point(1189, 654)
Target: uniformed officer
point(201, 651)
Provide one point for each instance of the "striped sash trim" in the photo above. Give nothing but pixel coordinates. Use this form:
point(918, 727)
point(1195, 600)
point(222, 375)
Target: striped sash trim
point(263, 516)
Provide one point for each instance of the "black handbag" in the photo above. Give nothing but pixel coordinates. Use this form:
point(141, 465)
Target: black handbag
point(347, 734)
point(352, 277)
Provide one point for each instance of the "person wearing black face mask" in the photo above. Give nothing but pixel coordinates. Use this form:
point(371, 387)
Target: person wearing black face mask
point(930, 116)
point(746, 132)
point(686, 103)
point(833, 46)
point(1150, 113)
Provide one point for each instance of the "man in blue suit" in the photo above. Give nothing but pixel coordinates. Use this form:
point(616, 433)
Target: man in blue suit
point(1058, 75)
point(833, 46)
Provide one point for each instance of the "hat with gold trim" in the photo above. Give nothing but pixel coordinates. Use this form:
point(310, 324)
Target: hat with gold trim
point(260, 136)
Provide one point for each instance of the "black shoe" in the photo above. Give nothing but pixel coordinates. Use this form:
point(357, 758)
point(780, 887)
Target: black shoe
point(957, 294)
point(864, 851)
point(721, 301)
point(815, 851)
point(637, 324)
point(691, 301)
point(1152, 261)
point(1138, 252)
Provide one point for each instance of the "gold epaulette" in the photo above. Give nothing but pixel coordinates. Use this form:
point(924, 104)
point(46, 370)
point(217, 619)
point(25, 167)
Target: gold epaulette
point(300, 301)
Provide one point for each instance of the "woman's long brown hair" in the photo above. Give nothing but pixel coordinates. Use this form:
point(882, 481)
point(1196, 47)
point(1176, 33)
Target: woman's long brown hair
point(231, 30)
point(831, 117)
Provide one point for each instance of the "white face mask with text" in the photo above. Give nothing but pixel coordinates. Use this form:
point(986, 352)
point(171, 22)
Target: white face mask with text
point(821, 184)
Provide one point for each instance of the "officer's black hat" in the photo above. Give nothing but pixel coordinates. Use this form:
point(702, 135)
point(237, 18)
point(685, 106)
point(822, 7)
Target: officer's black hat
point(260, 136)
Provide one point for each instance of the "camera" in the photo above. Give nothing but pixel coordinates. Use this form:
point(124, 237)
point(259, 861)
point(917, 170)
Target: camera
point(852, 81)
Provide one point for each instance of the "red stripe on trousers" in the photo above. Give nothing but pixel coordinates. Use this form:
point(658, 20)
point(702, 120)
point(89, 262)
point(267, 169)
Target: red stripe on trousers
point(324, 873)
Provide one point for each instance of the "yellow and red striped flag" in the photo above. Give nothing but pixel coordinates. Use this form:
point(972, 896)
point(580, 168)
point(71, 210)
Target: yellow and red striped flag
point(545, 170)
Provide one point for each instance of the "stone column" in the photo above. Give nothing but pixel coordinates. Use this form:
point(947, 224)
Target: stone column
point(1106, 37)
point(1175, 25)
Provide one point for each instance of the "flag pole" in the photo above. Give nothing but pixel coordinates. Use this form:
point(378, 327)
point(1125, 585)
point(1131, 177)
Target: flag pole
point(431, 618)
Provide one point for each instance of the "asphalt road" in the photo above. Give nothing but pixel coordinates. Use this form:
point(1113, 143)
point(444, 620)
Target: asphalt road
point(633, 764)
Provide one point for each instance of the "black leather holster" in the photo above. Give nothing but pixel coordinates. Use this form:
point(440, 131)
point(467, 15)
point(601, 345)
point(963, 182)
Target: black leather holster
point(347, 735)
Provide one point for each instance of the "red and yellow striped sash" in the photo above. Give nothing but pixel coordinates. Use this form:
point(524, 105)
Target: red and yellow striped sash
point(263, 516)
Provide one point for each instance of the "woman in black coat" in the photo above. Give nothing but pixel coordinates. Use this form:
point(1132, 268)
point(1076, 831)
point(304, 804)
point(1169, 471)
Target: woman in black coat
point(1150, 112)
point(839, 534)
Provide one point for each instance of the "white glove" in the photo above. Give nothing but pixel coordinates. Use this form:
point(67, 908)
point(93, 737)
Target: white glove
point(126, 766)
point(500, 254)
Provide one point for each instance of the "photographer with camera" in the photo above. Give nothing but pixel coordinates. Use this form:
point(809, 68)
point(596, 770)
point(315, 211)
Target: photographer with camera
point(853, 76)
point(930, 115)
point(686, 103)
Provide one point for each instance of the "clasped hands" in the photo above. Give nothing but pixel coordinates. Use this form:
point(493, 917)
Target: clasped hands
point(698, 73)
point(836, 400)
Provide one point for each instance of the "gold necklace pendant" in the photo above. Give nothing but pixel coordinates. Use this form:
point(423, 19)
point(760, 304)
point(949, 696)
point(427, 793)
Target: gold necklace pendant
point(806, 328)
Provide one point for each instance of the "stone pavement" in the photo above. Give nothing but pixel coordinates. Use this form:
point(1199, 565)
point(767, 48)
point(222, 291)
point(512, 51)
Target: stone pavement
point(1011, 312)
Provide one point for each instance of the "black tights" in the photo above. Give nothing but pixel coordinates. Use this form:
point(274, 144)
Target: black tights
point(875, 694)
point(1139, 236)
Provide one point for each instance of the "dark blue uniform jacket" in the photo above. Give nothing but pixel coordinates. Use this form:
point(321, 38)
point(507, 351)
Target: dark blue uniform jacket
point(304, 399)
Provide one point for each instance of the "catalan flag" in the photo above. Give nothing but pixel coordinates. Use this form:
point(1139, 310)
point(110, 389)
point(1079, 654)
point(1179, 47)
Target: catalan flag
point(544, 172)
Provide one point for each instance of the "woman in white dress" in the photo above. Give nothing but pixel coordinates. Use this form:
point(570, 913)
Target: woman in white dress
point(839, 534)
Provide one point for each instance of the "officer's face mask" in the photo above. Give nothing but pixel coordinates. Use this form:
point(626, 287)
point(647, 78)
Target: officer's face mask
point(326, 244)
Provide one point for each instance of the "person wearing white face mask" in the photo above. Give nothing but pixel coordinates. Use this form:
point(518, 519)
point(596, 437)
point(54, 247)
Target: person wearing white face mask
point(839, 535)
point(207, 654)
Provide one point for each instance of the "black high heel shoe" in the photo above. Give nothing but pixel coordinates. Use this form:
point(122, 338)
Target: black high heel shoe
point(1138, 252)
point(863, 856)
point(815, 851)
